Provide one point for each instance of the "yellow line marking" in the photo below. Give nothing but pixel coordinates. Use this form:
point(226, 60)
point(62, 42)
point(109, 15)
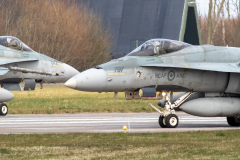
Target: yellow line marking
point(57, 66)
point(116, 74)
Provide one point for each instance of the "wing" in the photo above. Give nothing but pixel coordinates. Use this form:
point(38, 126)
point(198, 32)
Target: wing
point(4, 61)
point(219, 67)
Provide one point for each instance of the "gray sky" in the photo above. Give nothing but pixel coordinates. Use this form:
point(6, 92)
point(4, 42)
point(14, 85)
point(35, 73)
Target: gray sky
point(203, 5)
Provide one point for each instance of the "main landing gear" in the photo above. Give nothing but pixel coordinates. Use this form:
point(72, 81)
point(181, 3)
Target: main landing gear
point(233, 121)
point(3, 109)
point(168, 118)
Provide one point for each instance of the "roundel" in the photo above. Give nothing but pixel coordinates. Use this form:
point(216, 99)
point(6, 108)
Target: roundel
point(171, 75)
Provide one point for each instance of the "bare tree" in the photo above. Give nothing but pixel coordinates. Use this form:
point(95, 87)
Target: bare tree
point(209, 22)
point(218, 20)
point(61, 29)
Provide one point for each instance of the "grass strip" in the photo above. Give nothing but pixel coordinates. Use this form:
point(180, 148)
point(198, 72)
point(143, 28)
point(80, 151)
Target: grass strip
point(60, 99)
point(181, 145)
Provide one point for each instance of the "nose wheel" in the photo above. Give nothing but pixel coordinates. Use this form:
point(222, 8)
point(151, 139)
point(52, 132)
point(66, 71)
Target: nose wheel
point(3, 109)
point(168, 118)
point(161, 122)
point(171, 121)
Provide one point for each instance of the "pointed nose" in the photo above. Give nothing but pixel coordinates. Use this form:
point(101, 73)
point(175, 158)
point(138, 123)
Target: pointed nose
point(69, 72)
point(71, 83)
point(92, 80)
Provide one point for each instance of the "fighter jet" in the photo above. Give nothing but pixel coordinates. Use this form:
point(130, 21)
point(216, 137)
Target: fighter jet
point(208, 75)
point(19, 63)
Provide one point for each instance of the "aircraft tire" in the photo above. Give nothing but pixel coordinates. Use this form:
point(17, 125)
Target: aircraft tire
point(171, 121)
point(3, 109)
point(233, 121)
point(160, 121)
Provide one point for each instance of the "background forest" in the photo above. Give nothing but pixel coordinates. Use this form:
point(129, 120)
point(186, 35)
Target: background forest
point(221, 26)
point(73, 34)
point(60, 29)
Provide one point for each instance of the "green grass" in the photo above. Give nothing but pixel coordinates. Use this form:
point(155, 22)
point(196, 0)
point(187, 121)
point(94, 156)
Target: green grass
point(60, 99)
point(181, 145)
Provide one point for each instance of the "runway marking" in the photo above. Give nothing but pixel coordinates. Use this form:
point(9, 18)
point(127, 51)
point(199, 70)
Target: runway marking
point(105, 123)
point(99, 121)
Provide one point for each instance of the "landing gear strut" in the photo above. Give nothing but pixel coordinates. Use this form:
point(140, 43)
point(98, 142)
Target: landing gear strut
point(3, 109)
point(167, 117)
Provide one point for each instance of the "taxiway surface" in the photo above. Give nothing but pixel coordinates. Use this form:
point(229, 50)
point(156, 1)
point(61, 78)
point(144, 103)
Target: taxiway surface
point(104, 123)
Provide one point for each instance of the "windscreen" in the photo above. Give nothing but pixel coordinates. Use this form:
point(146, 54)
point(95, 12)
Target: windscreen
point(157, 47)
point(13, 43)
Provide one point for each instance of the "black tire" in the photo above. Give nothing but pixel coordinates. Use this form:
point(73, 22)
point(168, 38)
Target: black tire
point(171, 121)
point(3, 109)
point(233, 121)
point(160, 121)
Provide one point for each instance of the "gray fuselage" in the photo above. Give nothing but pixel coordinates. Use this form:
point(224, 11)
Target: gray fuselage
point(195, 68)
point(35, 61)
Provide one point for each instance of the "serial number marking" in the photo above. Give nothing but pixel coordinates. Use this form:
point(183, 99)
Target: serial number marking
point(54, 62)
point(118, 69)
point(116, 74)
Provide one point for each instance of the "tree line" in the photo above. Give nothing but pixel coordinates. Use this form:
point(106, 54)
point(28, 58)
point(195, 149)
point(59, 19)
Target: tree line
point(221, 26)
point(61, 29)
point(74, 34)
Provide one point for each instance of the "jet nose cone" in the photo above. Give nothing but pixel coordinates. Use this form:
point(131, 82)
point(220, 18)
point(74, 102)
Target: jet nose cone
point(93, 80)
point(71, 83)
point(69, 72)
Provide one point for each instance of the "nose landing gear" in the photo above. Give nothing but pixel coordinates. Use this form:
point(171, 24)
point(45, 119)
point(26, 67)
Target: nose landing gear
point(168, 118)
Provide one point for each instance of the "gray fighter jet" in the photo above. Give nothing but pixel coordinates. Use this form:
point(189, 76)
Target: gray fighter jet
point(209, 76)
point(19, 63)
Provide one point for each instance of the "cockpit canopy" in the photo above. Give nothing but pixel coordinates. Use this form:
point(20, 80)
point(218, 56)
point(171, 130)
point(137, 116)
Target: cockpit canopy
point(13, 43)
point(157, 47)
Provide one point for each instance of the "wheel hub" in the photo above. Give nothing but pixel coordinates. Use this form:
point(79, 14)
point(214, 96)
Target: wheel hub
point(173, 121)
point(4, 109)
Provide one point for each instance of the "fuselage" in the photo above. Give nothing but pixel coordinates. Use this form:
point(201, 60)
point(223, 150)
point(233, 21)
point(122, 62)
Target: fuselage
point(164, 72)
point(31, 60)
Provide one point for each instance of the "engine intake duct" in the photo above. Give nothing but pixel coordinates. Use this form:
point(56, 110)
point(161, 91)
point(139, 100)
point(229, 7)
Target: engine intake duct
point(213, 107)
point(29, 84)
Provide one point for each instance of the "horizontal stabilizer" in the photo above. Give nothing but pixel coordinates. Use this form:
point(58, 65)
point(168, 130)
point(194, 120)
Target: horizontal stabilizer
point(219, 67)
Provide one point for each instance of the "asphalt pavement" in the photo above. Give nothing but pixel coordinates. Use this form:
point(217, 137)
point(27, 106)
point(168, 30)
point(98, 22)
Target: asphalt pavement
point(104, 123)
